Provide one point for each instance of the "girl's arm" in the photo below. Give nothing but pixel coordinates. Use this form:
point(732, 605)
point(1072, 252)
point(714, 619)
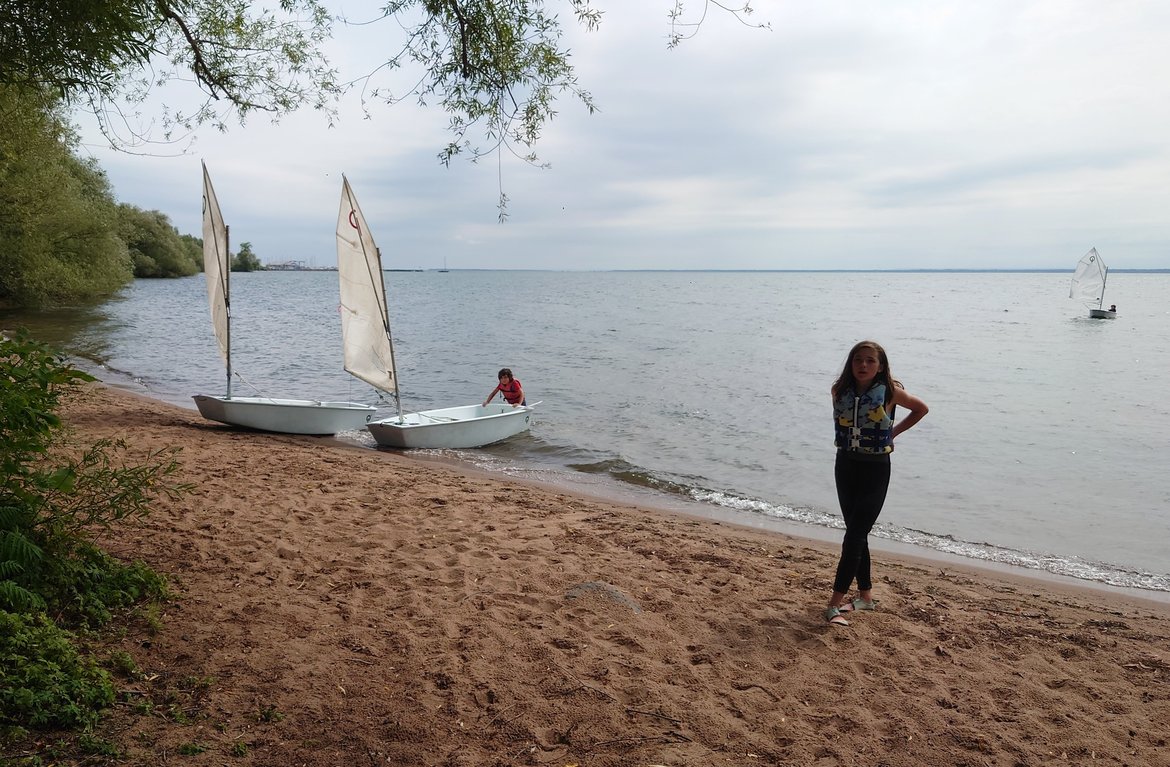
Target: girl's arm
point(916, 407)
point(491, 396)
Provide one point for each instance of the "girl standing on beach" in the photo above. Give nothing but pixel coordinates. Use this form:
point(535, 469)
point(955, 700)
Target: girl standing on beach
point(865, 397)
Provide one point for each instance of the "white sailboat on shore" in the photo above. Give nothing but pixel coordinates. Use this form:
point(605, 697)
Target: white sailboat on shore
point(287, 416)
point(1088, 285)
point(369, 352)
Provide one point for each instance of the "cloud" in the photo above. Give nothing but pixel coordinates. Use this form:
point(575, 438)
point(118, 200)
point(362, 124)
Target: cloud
point(916, 134)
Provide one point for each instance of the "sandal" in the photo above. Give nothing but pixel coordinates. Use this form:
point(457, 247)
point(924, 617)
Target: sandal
point(861, 604)
point(858, 604)
point(834, 617)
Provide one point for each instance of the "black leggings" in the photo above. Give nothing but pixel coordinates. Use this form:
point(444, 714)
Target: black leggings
point(861, 491)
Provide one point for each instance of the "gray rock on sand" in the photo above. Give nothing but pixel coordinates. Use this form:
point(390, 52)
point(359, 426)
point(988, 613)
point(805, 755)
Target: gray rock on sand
point(604, 590)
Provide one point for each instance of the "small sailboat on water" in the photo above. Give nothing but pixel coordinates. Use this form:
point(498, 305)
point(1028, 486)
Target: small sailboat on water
point(288, 416)
point(369, 352)
point(1088, 285)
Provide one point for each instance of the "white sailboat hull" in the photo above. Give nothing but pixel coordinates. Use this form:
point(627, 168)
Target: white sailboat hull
point(285, 416)
point(1102, 314)
point(462, 427)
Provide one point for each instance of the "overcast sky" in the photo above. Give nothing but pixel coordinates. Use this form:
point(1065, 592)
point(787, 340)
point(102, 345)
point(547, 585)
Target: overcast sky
point(917, 134)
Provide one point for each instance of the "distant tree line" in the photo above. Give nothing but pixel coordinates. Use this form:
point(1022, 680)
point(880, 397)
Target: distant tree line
point(64, 239)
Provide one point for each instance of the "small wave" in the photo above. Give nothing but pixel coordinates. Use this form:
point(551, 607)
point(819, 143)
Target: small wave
point(1073, 567)
point(776, 510)
point(622, 471)
point(99, 369)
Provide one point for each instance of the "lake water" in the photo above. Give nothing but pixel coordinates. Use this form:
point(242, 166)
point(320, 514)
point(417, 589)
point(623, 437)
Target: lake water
point(1045, 447)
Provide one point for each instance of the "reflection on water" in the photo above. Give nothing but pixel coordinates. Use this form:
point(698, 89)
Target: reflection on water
point(84, 331)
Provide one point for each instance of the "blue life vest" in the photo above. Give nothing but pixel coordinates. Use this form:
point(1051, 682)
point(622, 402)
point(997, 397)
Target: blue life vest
point(863, 425)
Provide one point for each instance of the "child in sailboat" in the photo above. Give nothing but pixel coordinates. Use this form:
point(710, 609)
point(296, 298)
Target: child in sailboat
point(865, 397)
point(510, 387)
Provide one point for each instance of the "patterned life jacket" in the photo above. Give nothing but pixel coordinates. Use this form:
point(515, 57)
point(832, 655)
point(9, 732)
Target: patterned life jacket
point(513, 392)
point(863, 425)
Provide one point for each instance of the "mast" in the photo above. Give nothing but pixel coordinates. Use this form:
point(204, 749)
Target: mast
point(389, 340)
point(227, 303)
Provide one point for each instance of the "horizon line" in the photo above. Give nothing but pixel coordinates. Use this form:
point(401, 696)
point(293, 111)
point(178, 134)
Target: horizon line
point(911, 270)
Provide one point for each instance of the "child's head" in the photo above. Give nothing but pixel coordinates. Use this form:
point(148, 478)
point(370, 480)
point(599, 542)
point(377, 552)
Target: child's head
point(504, 373)
point(868, 350)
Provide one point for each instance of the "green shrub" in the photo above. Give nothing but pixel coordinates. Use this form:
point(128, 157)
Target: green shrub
point(86, 588)
point(55, 498)
point(44, 681)
point(32, 380)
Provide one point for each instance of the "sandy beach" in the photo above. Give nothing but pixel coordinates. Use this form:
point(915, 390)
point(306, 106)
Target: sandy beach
point(338, 605)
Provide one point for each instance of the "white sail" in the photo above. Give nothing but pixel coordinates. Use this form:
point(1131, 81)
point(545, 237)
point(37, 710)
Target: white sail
point(215, 264)
point(365, 329)
point(1088, 282)
point(286, 416)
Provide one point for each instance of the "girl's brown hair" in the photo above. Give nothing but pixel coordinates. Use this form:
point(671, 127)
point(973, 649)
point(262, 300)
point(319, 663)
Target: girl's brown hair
point(847, 381)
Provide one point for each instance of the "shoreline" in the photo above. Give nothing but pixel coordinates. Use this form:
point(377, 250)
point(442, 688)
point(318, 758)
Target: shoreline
point(797, 533)
point(810, 535)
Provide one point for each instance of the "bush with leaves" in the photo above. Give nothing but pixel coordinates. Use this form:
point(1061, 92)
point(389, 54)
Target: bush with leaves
point(55, 498)
point(59, 240)
point(44, 681)
point(246, 260)
point(156, 247)
point(32, 380)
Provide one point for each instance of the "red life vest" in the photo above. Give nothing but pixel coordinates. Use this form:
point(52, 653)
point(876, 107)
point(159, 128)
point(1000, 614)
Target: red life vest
point(513, 392)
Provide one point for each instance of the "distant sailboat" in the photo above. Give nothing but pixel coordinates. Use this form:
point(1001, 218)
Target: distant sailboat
point(1088, 285)
point(288, 416)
